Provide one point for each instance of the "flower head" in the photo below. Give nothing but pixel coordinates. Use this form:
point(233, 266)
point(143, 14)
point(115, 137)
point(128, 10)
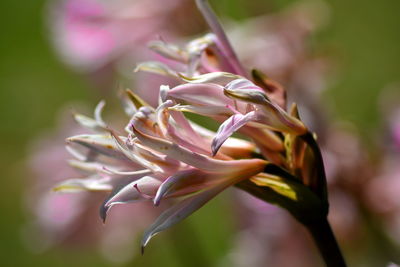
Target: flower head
point(164, 155)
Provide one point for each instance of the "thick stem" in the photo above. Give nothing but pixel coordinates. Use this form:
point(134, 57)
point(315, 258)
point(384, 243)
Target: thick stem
point(313, 218)
point(223, 42)
point(326, 242)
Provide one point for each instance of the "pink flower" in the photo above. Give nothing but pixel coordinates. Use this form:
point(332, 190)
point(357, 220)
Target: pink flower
point(91, 33)
point(162, 157)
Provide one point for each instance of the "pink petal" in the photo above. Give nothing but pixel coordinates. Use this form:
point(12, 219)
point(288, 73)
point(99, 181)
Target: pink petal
point(180, 211)
point(227, 128)
point(200, 94)
point(139, 190)
point(186, 182)
point(98, 144)
point(85, 184)
point(269, 113)
point(191, 158)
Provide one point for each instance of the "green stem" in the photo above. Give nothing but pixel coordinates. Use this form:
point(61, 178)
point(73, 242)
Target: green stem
point(326, 242)
point(313, 218)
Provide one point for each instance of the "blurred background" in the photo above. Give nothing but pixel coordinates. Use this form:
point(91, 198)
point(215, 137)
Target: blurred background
point(339, 59)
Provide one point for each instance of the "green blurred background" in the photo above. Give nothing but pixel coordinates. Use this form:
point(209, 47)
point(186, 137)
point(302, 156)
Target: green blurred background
point(363, 36)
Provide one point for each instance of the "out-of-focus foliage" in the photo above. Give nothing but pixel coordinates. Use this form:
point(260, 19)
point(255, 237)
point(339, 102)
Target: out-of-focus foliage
point(361, 41)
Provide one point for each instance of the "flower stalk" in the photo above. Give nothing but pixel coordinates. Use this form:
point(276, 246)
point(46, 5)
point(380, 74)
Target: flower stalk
point(325, 240)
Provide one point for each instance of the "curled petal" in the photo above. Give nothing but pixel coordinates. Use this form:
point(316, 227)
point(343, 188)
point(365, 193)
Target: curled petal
point(162, 116)
point(145, 119)
point(97, 114)
point(227, 128)
point(163, 93)
point(139, 190)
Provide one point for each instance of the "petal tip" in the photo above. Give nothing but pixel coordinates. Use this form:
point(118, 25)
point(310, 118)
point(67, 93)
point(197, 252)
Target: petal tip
point(103, 212)
point(215, 146)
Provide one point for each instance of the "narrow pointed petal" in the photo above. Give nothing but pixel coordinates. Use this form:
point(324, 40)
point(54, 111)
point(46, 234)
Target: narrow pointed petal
point(87, 167)
point(180, 211)
point(191, 158)
point(126, 173)
point(136, 100)
point(169, 51)
point(88, 123)
point(200, 94)
point(98, 114)
point(84, 184)
point(133, 156)
point(157, 68)
point(209, 111)
point(270, 113)
point(139, 190)
point(102, 144)
point(170, 130)
point(186, 182)
point(187, 128)
point(227, 128)
point(221, 78)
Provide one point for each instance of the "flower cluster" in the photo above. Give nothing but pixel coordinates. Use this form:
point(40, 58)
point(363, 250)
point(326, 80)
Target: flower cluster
point(165, 155)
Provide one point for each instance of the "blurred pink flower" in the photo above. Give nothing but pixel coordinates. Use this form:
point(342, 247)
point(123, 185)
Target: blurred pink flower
point(89, 34)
